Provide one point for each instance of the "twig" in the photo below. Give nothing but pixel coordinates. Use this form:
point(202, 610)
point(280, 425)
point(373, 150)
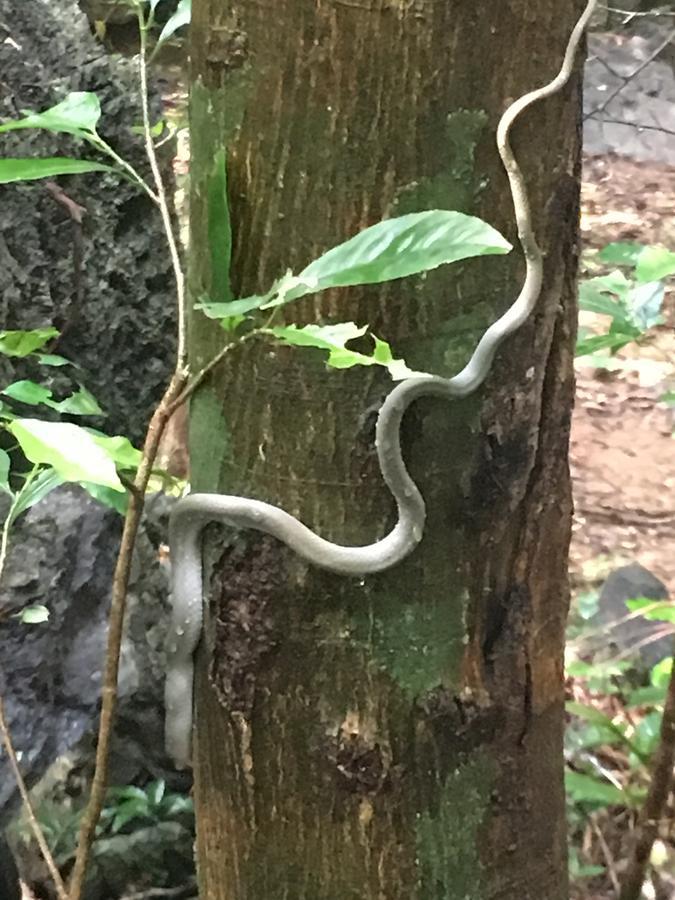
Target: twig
point(201, 376)
point(626, 79)
point(610, 862)
point(638, 125)
point(657, 796)
point(35, 826)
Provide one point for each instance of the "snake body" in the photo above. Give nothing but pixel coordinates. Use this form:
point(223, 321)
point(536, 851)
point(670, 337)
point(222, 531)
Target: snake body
point(194, 512)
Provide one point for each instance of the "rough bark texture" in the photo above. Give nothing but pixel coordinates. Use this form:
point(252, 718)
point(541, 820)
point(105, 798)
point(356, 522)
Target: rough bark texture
point(398, 737)
point(107, 285)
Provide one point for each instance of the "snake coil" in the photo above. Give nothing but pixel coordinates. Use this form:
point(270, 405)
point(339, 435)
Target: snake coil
point(194, 512)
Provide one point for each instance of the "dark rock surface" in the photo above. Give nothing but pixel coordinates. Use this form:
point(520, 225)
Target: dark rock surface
point(62, 555)
point(118, 315)
point(636, 639)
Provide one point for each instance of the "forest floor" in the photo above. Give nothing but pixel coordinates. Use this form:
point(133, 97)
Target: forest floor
point(623, 452)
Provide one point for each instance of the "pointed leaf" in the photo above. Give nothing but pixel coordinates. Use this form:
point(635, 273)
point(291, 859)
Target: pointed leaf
point(69, 449)
point(181, 17)
point(81, 403)
point(34, 490)
point(582, 788)
point(27, 392)
point(31, 169)
point(118, 448)
point(334, 338)
point(22, 343)
point(50, 359)
point(395, 248)
point(78, 114)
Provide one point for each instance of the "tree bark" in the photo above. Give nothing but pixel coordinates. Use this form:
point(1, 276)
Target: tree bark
point(398, 737)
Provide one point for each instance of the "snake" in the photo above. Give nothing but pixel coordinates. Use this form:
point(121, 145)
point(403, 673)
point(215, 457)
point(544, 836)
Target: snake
point(193, 512)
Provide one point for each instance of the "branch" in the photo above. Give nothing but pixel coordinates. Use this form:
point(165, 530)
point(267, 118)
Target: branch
point(639, 125)
point(657, 796)
point(35, 826)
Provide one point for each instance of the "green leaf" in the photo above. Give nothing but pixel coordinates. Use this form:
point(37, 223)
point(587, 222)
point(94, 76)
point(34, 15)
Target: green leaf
point(50, 359)
point(396, 248)
point(5, 464)
point(655, 263)
point(660, 674)
point(28, 392)
point(588, 345)
point(181, 17)
point(31, 169)
point(78, 114)
point(35, 490)
point(587, 789)
point(654, 610)
point(70, 450)
point(107, 496)
point(333, 339)
point(621, 254)
point(231, 308)
point(118, 448)
point(81, 403)
point(34, 615)
point(668, 398)
point(23, 343)
point(592, 298)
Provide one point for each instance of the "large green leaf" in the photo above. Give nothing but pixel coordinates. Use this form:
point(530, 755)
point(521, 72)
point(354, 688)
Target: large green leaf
point(181, 17)
point(396, 248)
point(78, 114)
point(23, 343)
point(333, 339)
point(655, 263)
point(31, 169)
point(70, 450)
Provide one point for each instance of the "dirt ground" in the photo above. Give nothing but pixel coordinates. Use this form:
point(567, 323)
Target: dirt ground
point(623, 452)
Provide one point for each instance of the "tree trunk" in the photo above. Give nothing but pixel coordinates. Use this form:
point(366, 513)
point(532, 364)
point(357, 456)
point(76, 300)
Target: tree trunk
point(398, 737)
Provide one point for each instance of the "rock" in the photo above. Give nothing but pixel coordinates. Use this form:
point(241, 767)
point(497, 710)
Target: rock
point(635, 639)
point(116, 307)
point(62, 555)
